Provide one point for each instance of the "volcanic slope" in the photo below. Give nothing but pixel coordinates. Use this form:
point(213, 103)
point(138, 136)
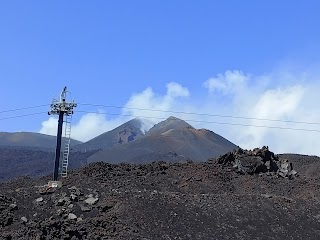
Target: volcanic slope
point(30, 140)
point(31, 154)
point(31, 162)
point(170, 140)
point(127, 132)
point(161, 200)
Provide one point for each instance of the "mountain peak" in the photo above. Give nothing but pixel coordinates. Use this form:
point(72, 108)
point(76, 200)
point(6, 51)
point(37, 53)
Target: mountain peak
point(168, 124)
point(172, 118)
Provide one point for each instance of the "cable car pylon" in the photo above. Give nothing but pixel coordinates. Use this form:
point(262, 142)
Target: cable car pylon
point(64, 110)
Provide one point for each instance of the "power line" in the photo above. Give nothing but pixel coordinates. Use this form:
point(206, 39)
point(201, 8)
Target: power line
point(213, 122)
point(24, 115)
point(24, 108)
point(201, 114)
point(168, 111)
point(165, 111)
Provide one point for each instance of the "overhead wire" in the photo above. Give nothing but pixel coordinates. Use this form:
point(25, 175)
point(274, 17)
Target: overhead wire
point(168, 111)
point(24, 108)
point(176, 112)
point(200, 114)
point(24, 115)
point(213, 122)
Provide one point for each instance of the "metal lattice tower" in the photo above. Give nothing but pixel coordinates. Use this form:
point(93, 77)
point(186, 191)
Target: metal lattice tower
point(65, 110)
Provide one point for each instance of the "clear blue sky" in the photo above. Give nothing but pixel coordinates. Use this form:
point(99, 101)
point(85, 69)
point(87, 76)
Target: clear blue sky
point(105, 51)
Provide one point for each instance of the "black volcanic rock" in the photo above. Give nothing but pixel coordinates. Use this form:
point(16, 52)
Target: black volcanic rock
point(30, 139)
point(127, 132)
point(162, 200)
point(258, 160)
point(170, 140)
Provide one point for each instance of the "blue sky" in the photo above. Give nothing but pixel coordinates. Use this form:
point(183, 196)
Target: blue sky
point(110, 52)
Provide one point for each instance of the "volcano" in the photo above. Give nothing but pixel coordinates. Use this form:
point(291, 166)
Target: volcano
point(171, 140)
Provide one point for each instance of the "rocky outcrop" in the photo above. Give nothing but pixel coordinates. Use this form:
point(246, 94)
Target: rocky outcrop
point(258, 161)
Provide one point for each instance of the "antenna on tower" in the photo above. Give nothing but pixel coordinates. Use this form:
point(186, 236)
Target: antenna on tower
point(64, 110)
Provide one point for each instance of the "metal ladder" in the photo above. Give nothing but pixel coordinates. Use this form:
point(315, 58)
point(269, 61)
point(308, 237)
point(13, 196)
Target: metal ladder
point(66, 149)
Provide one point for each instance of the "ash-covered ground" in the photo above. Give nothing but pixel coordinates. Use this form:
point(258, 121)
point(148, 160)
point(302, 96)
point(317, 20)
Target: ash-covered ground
point(210, 200)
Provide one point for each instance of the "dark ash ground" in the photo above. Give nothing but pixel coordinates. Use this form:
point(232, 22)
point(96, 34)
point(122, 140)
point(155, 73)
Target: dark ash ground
point(165, 201)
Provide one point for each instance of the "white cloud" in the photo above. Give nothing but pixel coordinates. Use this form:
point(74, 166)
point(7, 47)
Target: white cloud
point(272, 104)
point(147, 99)
point(229, 82)
point(91, 125)
point(284, 96)
point(49, 126)
point(176, 90)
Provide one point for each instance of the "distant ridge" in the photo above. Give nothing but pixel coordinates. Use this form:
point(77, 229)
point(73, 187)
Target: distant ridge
point(29, 139)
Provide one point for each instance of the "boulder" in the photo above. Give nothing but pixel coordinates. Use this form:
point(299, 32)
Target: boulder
point(63, 201)
point(91, 200)
point(72, 216)
point(85, 208)
point(250, 165)
point(13, 206)
point(40, 199)
point(76, 191)
point(74, 197)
